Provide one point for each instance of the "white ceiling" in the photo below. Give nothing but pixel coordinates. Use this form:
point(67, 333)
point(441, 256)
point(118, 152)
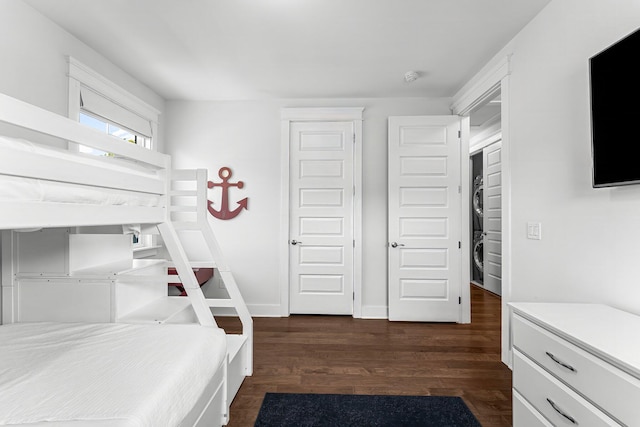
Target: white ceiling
point(255, 49)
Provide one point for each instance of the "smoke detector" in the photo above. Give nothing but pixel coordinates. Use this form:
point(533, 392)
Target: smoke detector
point(411, 76)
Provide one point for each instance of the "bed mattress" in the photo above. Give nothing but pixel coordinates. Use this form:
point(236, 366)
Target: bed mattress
point(58, 374)
point(21, 189)
point(17, 189)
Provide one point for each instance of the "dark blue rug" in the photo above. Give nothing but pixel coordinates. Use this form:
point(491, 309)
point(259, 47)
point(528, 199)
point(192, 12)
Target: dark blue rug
point(344, 410)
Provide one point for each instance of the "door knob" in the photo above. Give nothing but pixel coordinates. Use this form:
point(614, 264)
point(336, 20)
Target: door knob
point(395, 245)
point(295, 242)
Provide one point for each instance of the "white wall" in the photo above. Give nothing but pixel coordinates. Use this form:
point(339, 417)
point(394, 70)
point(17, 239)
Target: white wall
point(590, 237)
point(245, 136)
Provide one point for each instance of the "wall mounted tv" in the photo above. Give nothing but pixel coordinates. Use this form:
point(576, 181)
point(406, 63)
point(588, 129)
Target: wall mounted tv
point(615, 109)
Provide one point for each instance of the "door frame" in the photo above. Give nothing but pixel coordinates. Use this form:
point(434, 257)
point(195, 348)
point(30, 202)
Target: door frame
point(322, 114)
point(485, 85)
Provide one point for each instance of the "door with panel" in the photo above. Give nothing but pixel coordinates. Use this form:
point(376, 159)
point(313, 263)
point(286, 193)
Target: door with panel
point(492, 217)
point(425, 218)
point(321, 217)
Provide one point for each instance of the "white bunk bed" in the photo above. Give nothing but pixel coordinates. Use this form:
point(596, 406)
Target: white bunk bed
point(90, 336)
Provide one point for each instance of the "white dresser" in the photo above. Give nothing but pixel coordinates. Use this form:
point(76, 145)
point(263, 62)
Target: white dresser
point(575, 365)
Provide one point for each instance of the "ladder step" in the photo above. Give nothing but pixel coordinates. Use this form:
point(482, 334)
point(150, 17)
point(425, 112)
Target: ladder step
point(197, 264)
point(184, 174)
point(193, 208)
point(220, 302)
point(183, 193)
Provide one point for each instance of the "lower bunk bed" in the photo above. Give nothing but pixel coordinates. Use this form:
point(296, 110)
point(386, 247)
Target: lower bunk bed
point(77, 374)
point(119, 351)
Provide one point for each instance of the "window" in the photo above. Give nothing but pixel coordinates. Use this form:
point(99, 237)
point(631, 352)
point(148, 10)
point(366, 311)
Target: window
point(97, 102)
point(113, 129)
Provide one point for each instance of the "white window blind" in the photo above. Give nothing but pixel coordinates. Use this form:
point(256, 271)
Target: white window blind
point(94, 95)
point(100, 106)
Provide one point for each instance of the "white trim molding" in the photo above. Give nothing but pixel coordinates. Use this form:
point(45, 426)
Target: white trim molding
point(97, 82)
point(485, 142)
point(490, 133)
point(321, 114)
point(287, 116)
point(483, 87)
point(375, 312)
point(256, 310)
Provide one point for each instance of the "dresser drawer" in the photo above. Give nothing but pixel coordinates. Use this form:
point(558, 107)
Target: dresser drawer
point(607, 387)
point(557, 402)
point(525, 415)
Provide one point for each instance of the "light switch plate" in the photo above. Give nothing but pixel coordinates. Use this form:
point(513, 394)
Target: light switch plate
point(534, 230)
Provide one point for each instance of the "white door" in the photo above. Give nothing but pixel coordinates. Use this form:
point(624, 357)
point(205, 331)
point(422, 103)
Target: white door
point(425, 218)
point(492, 217)
point(321, 217)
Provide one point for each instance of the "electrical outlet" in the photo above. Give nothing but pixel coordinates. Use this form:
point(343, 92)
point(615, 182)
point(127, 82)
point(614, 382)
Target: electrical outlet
point(534, 230)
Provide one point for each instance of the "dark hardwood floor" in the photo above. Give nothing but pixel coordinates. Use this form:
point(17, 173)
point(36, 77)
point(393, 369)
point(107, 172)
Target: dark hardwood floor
point(335, 354)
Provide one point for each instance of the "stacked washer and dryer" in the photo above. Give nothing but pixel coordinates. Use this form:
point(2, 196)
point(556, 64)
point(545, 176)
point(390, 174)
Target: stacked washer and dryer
point(477, 263)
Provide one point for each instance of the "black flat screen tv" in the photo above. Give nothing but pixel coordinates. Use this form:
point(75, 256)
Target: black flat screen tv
point(615, 113)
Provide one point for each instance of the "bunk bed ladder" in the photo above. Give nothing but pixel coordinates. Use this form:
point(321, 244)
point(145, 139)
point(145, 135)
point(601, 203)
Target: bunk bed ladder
point(185, 271)
point(188, 194)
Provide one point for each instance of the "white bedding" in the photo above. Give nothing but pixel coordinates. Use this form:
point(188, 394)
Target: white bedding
point(58, 374)
point(17, 189)
point(20, 189)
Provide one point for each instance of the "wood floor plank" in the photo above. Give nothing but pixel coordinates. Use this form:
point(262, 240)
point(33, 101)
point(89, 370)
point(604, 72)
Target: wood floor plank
point(339, 354)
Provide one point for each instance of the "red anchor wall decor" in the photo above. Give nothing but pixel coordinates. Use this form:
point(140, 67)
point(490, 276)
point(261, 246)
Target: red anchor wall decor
point(224, 213)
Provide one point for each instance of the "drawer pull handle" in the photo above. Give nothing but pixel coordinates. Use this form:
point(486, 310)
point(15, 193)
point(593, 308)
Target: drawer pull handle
point(558, 410)
point(564, 365)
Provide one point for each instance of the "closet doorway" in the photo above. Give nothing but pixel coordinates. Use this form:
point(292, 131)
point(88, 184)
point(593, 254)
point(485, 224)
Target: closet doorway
point(486, 196)
point(492, 84)
point(322, 185)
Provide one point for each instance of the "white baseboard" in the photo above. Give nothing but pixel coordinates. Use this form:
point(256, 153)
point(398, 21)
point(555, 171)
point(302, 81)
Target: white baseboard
point(273, 310)
point(265, 310)
point(256, 310)
point(375, 312)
